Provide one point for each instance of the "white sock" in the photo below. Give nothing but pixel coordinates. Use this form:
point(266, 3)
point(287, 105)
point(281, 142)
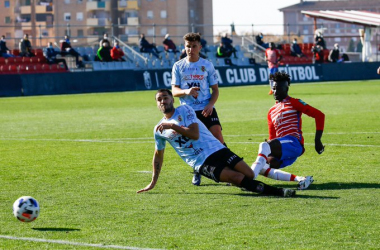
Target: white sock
point(277, 174)
point(261, 160)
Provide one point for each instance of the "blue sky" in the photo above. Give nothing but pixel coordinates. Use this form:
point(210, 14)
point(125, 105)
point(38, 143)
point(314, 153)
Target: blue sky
point(248, 12)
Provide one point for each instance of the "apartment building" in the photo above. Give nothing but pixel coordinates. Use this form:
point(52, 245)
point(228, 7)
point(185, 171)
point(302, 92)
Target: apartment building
point(334, 32)
point(87, 20)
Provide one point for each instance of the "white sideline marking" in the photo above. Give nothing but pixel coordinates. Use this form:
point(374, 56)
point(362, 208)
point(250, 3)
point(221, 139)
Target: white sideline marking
point(63, 242)
point(150, 139)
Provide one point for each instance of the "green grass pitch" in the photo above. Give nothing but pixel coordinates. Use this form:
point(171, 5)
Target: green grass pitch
point(83, 157)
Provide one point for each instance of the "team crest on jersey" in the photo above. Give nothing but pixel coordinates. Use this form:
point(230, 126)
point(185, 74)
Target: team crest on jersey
point(302, 102)
point(179, 118)
point(203, 68)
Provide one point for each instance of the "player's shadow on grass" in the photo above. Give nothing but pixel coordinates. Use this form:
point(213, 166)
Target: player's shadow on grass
point(340, 185)
point(55, 229)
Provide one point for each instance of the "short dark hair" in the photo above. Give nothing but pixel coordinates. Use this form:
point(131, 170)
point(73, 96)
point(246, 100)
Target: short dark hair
point(280, 77)
point(163, 90)
point(192, 37)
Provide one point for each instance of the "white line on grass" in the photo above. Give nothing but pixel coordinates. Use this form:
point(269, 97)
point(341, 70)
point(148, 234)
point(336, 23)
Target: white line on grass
point(63, 242)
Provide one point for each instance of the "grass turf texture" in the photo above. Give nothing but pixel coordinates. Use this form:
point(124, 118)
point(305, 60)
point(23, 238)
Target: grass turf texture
point(83, 157)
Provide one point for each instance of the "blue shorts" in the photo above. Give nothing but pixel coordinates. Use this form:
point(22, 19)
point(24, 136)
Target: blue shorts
point(291, 150)
point(273, 70)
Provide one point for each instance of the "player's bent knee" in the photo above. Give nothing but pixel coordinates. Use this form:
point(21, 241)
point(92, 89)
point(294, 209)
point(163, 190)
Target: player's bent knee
point(264, 149)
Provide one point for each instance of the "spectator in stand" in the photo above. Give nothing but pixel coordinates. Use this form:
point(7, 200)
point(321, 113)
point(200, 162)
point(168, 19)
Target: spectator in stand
point(334, 54)
point(319, 40)
point(259, 40)
point(169, 44)
point(104, 39)
point(147, 47)
point(104, 53)
point(204, 44)
point(273, 57)
point(51, 56)
point(295, 49)
point(227, 44)
point(66, 49)
point(222, 52)
point(4, 51)
point(318, 53)
point(117, 53)
point(25, 47)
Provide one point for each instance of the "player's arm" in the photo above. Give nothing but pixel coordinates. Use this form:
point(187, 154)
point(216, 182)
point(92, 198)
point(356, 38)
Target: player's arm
point(319, 125)
point(158, 159)
point(192, 131)
point(178, 92)
point(214, 97)
point(271, 128)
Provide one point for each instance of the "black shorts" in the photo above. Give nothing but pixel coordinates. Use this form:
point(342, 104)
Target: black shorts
point(210, 120)
point(215, 163)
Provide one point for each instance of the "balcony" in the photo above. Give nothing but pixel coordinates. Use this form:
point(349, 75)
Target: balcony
point(128, 5)
point(98, 22)
point(28, 25)
point(132, 21)
point(39, 9)
point(91, 6)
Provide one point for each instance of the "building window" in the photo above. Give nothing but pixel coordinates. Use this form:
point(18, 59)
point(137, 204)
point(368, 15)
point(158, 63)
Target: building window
point(66, 17)
point(164, 14)
point(67, 1)
point(7, 19)
point(79, 16)
point(164, 31)
point(80, 33)
point(6, 4)
point(192, 14)
point(149, 14)
point(79, 1)
point(150, 32)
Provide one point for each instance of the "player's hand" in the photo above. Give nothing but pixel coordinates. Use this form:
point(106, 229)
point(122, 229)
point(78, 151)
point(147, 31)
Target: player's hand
point(193, 91)
point(207, 111)
point(319, 147)
point(164, 126)
point(147, 188)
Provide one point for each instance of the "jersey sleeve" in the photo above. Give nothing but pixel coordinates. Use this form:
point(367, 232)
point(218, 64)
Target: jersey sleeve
point(212, 76)
point(310, 111)
point(160, 143)
point(176, 76)
point(189, 115)
point(271, 128)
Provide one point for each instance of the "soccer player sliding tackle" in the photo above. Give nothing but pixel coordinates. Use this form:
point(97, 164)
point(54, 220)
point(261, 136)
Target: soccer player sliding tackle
point(286, 142)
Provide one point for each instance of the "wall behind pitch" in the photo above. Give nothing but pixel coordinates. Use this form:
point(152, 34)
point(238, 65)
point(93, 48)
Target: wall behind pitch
point(10, 85)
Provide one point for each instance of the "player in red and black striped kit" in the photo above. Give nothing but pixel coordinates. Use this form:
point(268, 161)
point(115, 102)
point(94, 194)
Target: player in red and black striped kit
point(286, 142)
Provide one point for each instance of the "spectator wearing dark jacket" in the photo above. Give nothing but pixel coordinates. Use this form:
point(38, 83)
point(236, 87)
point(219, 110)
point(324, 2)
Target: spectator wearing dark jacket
point(66, 49)
point(169, 45)
point(104, 53)
point(147, 47)
point(295, 49)
point(51, 55)
point(4, 51)
point(25, 47)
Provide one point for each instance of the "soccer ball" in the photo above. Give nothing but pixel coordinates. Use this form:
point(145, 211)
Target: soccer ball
point(26, 209)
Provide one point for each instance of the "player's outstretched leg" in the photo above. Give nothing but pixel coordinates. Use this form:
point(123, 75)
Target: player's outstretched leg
point(262, 188)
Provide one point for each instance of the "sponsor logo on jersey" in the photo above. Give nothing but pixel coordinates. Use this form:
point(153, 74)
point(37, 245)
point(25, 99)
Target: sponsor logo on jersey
point(193, 77)
point(179, 118)
point(203, 68)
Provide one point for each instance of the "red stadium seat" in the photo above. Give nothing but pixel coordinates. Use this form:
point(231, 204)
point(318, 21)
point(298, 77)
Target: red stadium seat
point(2, 61)
point(12, 69)
point(23, 69)
point(38, 68)
point(15, 52)
point(45, 67)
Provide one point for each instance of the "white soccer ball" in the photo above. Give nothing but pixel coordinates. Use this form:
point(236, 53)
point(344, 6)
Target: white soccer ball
point(26, 209)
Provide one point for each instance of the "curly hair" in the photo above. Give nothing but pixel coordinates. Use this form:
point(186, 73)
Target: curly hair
point(192, 37)
point(280, 77)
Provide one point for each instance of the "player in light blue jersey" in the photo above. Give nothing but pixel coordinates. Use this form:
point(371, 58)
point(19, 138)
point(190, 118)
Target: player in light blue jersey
point(200, 149)
point(192, 78)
